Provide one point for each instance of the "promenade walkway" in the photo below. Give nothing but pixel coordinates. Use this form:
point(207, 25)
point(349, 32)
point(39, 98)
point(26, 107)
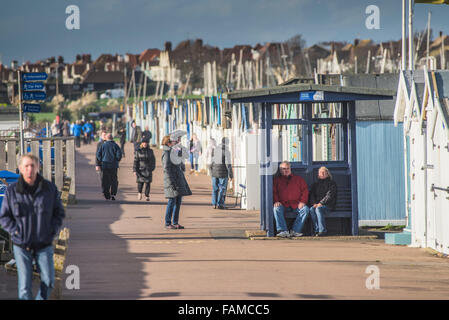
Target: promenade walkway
point(123, 251)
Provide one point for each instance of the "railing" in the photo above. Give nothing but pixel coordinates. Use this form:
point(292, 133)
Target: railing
point(56, 158)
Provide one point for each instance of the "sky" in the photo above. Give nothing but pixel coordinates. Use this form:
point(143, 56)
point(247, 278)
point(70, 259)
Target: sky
point(31, 30)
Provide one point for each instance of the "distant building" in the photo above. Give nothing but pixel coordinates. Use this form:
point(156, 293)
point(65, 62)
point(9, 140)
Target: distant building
point(102, 80)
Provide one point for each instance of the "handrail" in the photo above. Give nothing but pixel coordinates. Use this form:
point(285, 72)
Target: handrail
point(38, 139)
point(433, 188)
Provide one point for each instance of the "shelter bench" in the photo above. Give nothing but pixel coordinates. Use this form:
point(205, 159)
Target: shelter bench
point(343, 211)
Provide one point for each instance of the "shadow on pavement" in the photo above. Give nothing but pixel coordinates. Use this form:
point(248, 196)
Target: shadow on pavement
point(107, 269)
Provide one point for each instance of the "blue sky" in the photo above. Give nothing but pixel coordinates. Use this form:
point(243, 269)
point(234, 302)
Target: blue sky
point(33, 30)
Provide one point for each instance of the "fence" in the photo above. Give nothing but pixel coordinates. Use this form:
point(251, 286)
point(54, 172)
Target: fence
point(209, 117)
point(56, 158)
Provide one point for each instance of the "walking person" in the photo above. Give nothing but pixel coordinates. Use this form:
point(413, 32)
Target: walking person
point(221, 171)
point(77, 133)
point(175, 183)
point(122, 135)
point(136, 135)
point(108, 158)
point(66, 128)
point(55, 129)
point(87, 129)
point(94, 130)
point(323, 198)
point(144, 165)
point(146, 134)
point(195, 153)
point(98, 169)
point(32, 213)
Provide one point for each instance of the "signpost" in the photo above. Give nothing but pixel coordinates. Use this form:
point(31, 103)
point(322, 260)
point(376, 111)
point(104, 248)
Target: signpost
point(35, 76)
point(31, 107)
point(29, 86)
point(34, 95)
point(31, 91)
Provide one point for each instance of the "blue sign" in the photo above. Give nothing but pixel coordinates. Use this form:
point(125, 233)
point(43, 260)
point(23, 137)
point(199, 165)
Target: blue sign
point(311, 96)
point(31, 107)
point(34, 95)
point(30, 86)
point(34, 76)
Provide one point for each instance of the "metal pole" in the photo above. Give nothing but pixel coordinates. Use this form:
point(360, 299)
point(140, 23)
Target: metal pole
point(411, 62)
point(114, 120)
point(404, 52)
point(19, 84)
point(428, 39)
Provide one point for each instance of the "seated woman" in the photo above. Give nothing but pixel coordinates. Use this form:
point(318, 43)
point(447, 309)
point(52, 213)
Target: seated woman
point(323, 197)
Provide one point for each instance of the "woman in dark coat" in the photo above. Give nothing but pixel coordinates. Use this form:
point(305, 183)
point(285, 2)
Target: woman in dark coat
point(175, 183)
point(323, 197)
point(144, 164)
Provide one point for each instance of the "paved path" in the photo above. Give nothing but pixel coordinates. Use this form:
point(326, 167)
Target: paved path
point(123, 252)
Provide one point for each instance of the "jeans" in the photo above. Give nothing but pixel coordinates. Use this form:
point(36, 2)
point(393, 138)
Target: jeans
point(194, 161)
point(219, 187)
point(301, 216)
point(172, 211)
point(46, 269)
point(318, 219)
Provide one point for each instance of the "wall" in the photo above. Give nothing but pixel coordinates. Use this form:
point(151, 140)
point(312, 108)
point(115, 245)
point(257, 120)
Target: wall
point(380, 170)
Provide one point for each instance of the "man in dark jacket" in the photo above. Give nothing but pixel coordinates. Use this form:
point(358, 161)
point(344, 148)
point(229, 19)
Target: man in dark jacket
point(290, 193)
point(108, 158)
point(101, 141)
point(221, 170)
point(147, 135)
point(323, 197)
point(32, 213)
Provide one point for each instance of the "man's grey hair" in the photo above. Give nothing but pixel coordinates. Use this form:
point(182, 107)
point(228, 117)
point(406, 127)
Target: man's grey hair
point(29, 156)
point(285, 162)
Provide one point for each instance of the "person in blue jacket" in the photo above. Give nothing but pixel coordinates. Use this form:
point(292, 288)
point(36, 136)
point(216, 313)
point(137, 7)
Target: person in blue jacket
point(108, 157)
point(87, 130)
point(32, 213)
point(77, 131)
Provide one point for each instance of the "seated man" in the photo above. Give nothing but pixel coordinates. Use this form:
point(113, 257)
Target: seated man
point(323, 197)
point(290, 193)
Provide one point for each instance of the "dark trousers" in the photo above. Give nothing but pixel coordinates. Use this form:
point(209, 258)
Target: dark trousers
point(147, 188)
point(78, 141)
point(122, 147)
point(87, 138)
point(109, 182)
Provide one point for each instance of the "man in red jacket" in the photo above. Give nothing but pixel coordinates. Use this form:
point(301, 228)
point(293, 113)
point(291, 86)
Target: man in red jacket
point(290, 193)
